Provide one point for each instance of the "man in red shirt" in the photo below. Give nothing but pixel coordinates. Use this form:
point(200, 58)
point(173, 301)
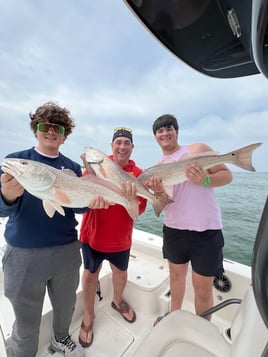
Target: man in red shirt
point(107, 234)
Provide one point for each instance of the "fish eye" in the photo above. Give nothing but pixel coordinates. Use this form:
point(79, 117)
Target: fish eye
point(24, 162)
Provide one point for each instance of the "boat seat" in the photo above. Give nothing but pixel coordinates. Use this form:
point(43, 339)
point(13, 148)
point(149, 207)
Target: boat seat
point(182, 333)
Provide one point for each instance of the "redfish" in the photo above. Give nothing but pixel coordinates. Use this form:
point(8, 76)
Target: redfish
point(106, 168)
point(62, 188)
point(172, 173)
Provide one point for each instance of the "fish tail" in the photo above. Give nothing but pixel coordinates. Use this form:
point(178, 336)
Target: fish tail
point(243, 156)
point(160, 203)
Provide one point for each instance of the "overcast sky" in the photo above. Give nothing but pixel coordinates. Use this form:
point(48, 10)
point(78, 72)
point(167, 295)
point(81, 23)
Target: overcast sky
point(96, 59)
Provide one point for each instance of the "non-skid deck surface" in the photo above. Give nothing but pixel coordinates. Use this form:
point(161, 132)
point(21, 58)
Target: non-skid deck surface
point(113, 336)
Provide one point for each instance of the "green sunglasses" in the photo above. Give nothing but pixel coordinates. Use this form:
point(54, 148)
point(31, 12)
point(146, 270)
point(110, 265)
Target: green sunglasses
point(45, 127)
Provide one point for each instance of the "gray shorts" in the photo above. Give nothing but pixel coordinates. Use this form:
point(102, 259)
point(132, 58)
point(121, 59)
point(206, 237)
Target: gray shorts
point(202, 249)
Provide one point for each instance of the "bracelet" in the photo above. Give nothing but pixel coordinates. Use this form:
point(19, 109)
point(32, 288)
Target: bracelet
point(207, 181)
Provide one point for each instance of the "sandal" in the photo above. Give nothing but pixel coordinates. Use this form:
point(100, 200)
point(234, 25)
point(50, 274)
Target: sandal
point(159, 318)
point(87, 330)
point(124, 308)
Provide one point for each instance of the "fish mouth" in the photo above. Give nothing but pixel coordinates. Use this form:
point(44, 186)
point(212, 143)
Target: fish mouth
point(92, 161)
point(10, 169)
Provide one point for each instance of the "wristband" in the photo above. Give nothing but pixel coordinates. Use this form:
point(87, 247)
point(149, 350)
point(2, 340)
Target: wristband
point(207, 181)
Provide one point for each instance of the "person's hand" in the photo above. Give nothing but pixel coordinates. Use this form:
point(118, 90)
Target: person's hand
point(86, 164)
point(195, 173)
point(155, 184)
point(129, 190)
point(98, 202)
point(11, 189)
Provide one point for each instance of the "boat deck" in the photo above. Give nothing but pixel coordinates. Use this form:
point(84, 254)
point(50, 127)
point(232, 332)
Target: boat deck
point(147, 292)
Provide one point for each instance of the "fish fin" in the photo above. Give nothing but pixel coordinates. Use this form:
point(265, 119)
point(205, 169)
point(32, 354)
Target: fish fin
point(99, 170)
point(243, 156)
point(160, 203)
point(51, 207)
point(61, 196)
point(169, 190)
point(133, 208)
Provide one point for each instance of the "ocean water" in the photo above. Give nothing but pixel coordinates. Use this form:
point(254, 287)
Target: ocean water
point(241, 203)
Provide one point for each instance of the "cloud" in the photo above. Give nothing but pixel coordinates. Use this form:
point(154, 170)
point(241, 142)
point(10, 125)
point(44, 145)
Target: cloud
point(96, 59)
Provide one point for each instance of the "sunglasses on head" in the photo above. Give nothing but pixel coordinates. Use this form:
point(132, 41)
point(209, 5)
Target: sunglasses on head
point(45, 127)
point(122, 128)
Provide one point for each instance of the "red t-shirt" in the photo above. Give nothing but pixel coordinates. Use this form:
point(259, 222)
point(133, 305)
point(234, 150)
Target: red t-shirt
point(110, 230)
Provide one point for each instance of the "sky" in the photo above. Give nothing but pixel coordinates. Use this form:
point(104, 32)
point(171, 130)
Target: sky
point(97, 60)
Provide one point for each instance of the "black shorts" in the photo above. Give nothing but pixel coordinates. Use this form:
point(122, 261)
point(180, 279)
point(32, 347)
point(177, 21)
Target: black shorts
point(93, 258)
point(202, 249)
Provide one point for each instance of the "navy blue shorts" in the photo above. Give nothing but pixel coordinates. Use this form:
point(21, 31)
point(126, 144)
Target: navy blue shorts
point(202, 249)
point(93, 258)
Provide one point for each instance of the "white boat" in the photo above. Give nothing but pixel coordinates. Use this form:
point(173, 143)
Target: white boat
point(238, 330)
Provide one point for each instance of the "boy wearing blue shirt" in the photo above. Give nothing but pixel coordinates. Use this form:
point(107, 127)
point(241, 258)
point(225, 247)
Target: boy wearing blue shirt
point(42, 253)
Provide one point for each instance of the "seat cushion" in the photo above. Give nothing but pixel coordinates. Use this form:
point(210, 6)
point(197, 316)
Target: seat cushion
point(182, 333)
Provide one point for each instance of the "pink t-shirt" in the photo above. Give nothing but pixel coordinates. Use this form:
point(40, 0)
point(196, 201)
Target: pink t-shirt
point(195, 207)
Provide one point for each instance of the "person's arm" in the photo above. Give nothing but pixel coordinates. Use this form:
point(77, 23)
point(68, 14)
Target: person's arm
point(11, 189)
point(219, 176)
point(87, 165)
point(10, 193)
point(216, 176)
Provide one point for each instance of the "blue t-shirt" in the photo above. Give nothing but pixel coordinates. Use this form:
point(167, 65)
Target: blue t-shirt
point(28, 225)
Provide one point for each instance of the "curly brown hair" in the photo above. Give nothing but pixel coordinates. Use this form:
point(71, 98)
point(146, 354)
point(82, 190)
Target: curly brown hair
point(50, 112)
